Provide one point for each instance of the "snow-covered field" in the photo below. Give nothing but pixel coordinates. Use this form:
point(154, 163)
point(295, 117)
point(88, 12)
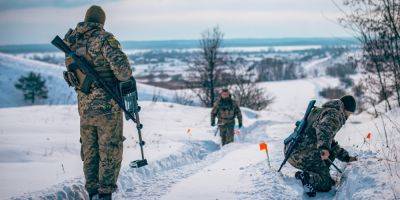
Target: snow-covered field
point(39, 150)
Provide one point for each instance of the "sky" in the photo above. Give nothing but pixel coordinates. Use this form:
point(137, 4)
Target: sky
point(38, 21)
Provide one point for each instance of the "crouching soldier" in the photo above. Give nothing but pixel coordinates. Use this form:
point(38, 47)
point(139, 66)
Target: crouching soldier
point(226, 110)
point(100, 117)
point(317, 148)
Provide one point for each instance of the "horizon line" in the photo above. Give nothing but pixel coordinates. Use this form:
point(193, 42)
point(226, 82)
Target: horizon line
point(229, 39)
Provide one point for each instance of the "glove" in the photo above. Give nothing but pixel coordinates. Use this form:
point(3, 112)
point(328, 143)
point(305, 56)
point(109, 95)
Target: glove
point(353, 158)
point(240, 125)
point(212, 123)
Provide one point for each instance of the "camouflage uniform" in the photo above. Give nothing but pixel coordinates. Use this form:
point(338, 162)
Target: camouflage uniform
point(101, 118)
point(226, 110)
point(323, 124)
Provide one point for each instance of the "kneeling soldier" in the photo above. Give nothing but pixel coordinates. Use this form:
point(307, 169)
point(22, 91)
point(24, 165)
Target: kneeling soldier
point(318, 145)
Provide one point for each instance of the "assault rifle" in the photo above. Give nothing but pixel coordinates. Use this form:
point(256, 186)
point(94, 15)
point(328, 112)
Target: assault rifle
point(294, 138)
point(87, 68)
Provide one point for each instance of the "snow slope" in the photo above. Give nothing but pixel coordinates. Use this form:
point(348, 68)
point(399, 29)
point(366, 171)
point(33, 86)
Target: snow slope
point(13, 67)
point(185, 159)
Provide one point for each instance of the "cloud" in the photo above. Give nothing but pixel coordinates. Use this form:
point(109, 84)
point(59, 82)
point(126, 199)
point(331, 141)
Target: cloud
point(178, 19)
point(21, 4)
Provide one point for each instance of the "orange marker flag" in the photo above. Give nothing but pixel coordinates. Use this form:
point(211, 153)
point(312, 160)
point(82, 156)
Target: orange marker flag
point(369, 136)
point(263, 146)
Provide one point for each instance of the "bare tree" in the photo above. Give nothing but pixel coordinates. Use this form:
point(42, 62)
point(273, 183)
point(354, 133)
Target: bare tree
point(244, 88)
point(205, 72)
point(376, 24)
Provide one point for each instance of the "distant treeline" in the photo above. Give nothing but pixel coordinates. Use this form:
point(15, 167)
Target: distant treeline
point(183, 44)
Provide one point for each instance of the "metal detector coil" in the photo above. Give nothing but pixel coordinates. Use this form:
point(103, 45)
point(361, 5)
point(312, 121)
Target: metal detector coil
point(138, 163)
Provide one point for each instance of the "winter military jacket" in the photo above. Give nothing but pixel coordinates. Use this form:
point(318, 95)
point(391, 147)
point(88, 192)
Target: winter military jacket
point(322, 125)
point(104, 52)
point(226, 110)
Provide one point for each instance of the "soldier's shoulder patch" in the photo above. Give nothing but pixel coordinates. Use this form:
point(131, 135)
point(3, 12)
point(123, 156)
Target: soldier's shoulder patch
point(69, 60)
point(113, 42)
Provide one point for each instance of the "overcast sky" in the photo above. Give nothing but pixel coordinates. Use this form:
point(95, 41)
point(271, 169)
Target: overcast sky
point(38, 21)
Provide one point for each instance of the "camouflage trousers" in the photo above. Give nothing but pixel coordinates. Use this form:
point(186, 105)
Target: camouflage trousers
point(227, 133)
point(101, 151)
point(310, 161)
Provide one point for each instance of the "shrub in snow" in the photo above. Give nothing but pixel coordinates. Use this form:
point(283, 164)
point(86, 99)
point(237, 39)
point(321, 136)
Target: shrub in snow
point(33, 86)
point(346, 81)
point(341, 70)
point(332, 93)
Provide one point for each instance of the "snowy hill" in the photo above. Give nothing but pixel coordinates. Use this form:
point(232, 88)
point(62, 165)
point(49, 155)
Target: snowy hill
point(12, 67)
point(185, 159)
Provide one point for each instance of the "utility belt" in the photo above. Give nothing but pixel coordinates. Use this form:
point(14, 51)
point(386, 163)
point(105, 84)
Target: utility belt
point(227, 118)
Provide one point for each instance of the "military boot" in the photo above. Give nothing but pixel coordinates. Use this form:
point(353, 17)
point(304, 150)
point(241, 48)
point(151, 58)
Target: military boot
point(304, 177)
point(93, 196)
point(105, 196)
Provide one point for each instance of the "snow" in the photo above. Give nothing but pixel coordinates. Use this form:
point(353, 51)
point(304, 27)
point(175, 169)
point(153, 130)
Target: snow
point(317, 67)
point(39, 148)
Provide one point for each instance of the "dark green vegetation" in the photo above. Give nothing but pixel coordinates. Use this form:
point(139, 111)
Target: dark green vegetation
point(33, 87)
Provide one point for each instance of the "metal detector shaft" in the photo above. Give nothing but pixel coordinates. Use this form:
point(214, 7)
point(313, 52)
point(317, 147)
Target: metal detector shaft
point(139, 129)
point(216, 132)
point(333, 164)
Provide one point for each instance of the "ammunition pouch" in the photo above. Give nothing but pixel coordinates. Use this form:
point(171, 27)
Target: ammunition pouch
point(71, 79)
point(77, 79)
point(128, 93)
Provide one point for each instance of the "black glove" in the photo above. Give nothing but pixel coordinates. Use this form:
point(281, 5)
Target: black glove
point(212, 123)
point(240, 125)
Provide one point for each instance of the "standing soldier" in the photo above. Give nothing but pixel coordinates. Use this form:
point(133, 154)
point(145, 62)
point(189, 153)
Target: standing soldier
point(317, 149)
point(101, 118)
point(226, 109)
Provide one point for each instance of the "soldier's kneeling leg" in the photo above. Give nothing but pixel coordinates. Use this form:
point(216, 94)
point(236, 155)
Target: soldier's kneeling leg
point(311, 162)
point(110, 151)
point(321, 179)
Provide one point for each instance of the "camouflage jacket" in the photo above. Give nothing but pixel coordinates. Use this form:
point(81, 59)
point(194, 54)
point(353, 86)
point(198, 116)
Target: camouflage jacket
point(323, 124)
point(104, 52)
point(226, 111)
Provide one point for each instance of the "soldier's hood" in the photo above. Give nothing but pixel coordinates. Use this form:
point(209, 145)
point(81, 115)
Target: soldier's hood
point(337, 105)
point(83, 27)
